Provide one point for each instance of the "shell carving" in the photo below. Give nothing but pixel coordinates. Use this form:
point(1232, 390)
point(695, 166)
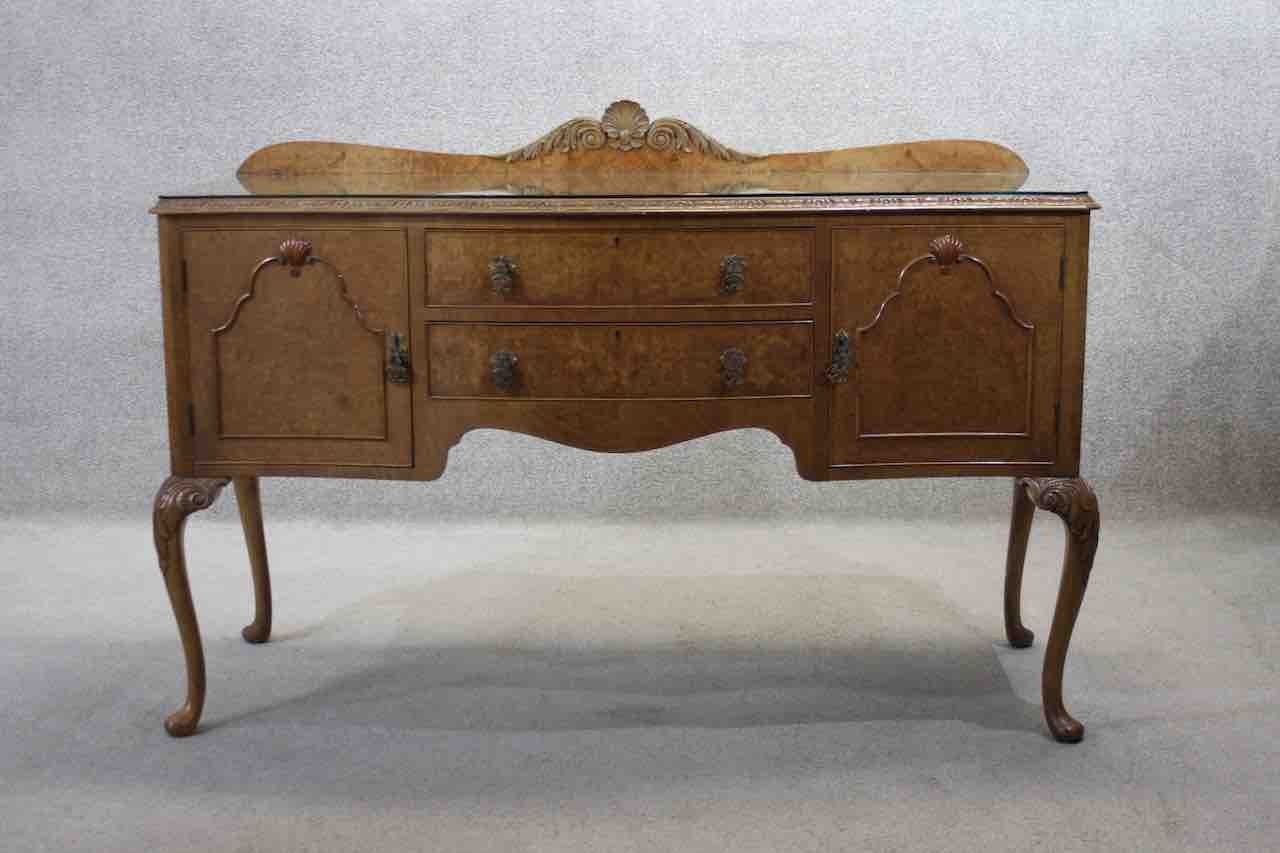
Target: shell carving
point(946, 250)
point(295, 254)
point(625, 126)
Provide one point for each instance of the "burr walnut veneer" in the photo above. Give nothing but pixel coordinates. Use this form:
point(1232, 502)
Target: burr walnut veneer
point(622, 285)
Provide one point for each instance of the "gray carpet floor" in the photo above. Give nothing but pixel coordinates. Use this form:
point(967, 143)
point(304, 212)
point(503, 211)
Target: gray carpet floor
point(640, 688)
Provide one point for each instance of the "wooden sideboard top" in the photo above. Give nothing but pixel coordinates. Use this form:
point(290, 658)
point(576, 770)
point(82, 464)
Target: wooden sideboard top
point(625, 163)
point(196, 203)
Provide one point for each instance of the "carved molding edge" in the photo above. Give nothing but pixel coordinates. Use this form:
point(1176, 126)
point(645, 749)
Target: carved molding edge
point(625, 126)
point(627, 204)
point(178, 498)
point(1074, 501)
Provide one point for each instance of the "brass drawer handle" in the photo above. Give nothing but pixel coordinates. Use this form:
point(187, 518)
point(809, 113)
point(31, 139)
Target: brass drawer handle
point(733, 367)
point(502, 275)
point(502, 367)
point(733, 274)
point(398, 370)
point(841, 359)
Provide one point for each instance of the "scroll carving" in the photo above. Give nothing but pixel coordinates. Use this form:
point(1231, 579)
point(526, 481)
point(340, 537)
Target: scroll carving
point(625, 126)
point(178, 498)
point(1074, 501)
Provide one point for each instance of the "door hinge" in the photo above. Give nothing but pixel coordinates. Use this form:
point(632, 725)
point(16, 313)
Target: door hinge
point(191, 418)
point(1057, 417)
point(1062, 274)
point(182, 276)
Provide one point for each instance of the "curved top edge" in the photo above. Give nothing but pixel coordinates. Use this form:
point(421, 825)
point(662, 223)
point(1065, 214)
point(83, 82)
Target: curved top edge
point(624, 150)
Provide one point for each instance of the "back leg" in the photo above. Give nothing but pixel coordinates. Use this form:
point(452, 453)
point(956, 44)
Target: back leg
point(249, 500)
point(1019, 531)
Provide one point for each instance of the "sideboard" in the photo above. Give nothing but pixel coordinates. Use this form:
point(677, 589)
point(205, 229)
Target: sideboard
point(623, 284)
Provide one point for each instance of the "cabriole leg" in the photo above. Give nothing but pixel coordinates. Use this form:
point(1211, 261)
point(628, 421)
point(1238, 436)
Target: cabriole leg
point(249, 500)
point(1074, 501)
point(178, 498)
point(1019, 531)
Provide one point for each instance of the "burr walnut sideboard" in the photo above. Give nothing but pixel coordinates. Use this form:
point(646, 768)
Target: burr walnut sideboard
point(624, 284)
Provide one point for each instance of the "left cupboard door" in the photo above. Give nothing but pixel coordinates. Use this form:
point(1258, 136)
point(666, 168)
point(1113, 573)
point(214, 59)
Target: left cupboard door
point(298, 342)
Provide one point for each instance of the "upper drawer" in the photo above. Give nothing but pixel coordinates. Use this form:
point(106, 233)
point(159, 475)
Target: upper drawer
point(604, 360)
point(687, 266)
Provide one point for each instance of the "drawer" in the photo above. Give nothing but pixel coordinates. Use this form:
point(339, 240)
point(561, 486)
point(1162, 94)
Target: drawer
point(605, 360)
point(686, 266)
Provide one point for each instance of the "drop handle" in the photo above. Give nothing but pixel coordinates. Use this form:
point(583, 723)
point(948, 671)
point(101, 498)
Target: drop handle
point(503, 368)
point(841, 359)
point(502, 274)
point(733, 367)
point(399, 370)
point(733, 274)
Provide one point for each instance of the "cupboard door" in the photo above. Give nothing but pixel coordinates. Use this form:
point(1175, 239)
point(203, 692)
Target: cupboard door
point(954, 343)
point(294, 359)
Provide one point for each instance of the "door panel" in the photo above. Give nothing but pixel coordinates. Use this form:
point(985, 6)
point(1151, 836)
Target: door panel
point(289, 360)
point(955, 344)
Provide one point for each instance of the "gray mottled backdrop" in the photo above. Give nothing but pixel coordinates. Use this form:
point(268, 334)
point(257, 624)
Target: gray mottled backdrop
point(1166, 111)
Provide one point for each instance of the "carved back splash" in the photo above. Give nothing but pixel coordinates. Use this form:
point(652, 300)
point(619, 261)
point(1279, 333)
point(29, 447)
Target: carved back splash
point(625, 152)
point(625, 127)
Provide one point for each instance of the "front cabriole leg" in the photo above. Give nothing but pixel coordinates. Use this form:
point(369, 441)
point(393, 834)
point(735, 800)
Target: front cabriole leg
point(178, 498)
point(1074, 501)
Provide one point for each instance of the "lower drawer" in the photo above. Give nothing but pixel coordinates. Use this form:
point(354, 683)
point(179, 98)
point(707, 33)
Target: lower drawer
point(623, 360)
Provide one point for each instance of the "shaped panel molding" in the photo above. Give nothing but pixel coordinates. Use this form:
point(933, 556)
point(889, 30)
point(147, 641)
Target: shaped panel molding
point(997, 366)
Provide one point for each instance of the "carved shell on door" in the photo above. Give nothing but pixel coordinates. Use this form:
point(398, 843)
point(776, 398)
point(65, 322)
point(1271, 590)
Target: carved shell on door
point(946, 250)
point(625, 126)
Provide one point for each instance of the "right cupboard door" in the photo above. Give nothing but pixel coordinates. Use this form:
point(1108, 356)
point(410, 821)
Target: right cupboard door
point(954, 335)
